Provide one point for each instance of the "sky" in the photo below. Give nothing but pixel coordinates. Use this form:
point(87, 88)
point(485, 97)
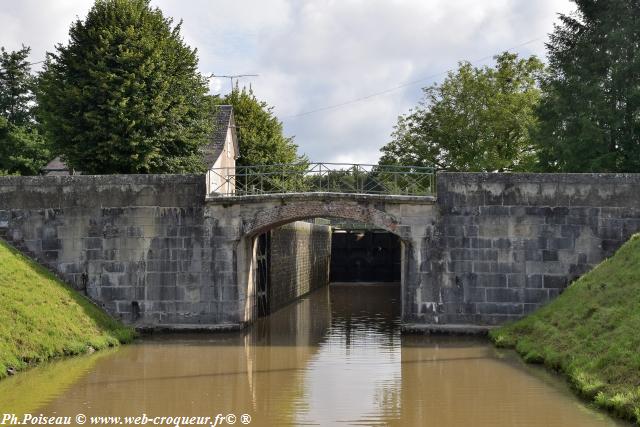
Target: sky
point(338, 73)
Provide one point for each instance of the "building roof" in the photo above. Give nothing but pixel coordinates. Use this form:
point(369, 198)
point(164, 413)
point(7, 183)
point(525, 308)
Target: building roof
point(223, 120)
point(58, 167)
point(55, 165)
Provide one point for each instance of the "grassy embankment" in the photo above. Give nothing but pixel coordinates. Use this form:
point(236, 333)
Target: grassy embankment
point(42, 318)
point(591, 333)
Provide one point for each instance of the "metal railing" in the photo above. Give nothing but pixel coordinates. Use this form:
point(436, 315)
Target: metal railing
point(321, 177)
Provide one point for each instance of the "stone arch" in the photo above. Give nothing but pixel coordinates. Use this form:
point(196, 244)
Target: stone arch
point(266, 219)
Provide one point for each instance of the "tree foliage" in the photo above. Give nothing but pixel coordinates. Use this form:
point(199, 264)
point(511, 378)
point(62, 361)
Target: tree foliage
point(23, 150)
point(16, 84)
point(590, 111)
point(478, 119)
point(260, 136)
point(125, 96)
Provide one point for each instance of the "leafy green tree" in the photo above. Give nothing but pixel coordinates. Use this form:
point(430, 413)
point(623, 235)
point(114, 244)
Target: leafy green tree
point(590, 109)
point(478, 119)
point(260, 137)
point(125, 95)
point(23, 150)
point(16, 84)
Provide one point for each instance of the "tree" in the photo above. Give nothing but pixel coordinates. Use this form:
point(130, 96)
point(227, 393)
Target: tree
point(125, 95)
point(478, 119)
point(590, 109)
point(16, 84)
point(260, 137)
point(23, 150)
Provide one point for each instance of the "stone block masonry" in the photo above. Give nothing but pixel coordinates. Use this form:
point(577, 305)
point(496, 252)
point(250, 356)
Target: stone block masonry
point(153, 249)
point(300, 255)
point(142, 247)
point(511, 242)
point(136, 244)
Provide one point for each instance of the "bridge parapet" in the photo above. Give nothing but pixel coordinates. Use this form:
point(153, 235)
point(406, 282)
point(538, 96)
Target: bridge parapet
point(321, 177)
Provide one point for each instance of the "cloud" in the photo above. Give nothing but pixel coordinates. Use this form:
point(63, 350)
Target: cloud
point(335, 51)
point(40, 24)
point(319, 53)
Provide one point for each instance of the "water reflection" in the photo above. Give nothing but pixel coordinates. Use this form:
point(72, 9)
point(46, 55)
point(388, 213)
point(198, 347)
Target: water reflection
point(355, 377)
point(336, 357)
point(451, 382)
point(28, 391)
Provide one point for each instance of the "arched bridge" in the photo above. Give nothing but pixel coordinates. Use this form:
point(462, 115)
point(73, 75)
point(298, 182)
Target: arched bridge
point(255, 199)
point(238, 220)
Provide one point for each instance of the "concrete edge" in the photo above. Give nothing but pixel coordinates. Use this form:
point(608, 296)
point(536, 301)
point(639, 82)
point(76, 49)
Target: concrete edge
point(196, 327)
point(533, 177)
point(110, 179)
point(288, 197)
point(406, 328)
point(421, 328)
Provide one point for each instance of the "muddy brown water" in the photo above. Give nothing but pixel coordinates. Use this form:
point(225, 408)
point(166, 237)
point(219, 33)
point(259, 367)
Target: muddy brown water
point(335, 357)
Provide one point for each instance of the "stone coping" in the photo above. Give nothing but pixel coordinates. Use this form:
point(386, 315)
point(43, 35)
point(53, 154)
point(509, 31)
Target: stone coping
point(290, 197)
point(407, 328)
point(551, 178)
point(133, 179)
point(458, 176)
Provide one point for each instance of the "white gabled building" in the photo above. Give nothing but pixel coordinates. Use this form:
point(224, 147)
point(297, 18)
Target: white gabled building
point(221, 153)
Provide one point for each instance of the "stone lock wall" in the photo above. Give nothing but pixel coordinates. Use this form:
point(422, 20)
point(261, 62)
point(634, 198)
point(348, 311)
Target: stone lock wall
point(508, 243)
point(137, 244)
point(300, 255)
point(153, 250)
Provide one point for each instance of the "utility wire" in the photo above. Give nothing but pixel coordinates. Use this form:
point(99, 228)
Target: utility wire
point(400, 86)
point(34, 63)
point(366, 97)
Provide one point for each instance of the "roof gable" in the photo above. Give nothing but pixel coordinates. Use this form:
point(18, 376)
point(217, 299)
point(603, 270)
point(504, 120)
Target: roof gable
point(223, 120)
point(56, 165)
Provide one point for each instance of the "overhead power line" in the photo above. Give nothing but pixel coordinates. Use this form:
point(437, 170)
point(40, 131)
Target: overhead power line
point(362, 98)
point(400, 86)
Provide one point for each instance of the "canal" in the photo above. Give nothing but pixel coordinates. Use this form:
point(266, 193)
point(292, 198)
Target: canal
point(335, 357)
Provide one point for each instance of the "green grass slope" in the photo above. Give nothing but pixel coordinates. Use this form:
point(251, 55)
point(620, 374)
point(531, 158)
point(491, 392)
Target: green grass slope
point(591, 333)
point(41, 318)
